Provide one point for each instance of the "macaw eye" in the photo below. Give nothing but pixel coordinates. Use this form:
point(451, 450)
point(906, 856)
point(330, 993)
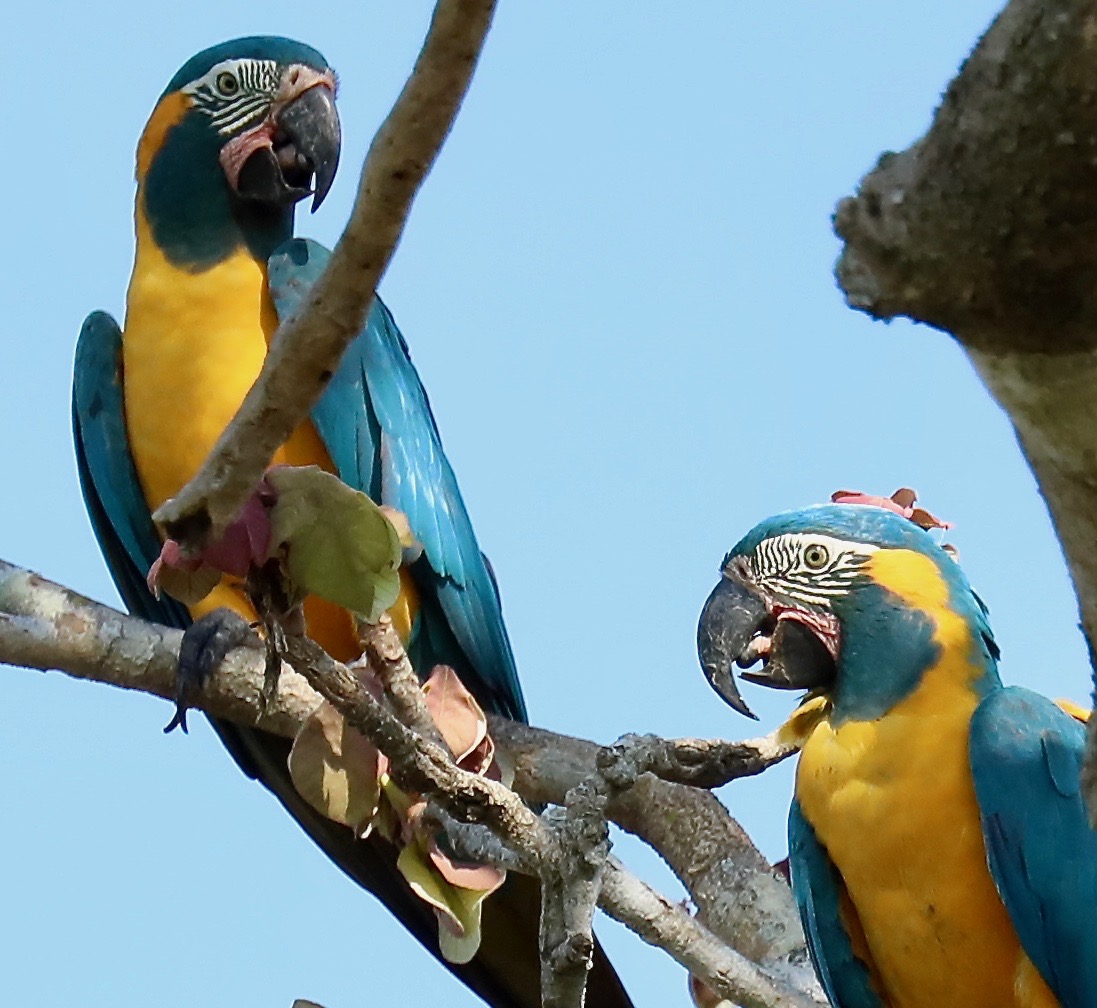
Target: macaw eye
point(816, 557)
point(227, 84)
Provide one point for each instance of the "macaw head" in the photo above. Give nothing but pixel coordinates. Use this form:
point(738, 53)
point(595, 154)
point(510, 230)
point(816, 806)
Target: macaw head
point(243, 132)
point(851, 601)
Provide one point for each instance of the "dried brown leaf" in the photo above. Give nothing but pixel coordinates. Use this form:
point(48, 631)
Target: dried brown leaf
point(455, 711)
point(336, 770)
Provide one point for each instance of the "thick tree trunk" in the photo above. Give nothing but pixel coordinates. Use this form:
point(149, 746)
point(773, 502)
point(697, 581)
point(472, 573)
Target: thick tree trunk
point(987, 228)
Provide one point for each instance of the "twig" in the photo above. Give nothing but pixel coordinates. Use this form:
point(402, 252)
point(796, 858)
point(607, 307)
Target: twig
point(703, 763)
point(661, 923)
point(738, 896)
point(570, 887)
point(306, 351)
point(382, 648)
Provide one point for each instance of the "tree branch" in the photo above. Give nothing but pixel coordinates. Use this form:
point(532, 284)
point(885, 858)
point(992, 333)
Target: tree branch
point(46, 626)
point(570, 887)
point(306, 350)
point(659, 922)
point(738, 896)
point(987, 228)
point(385, 653)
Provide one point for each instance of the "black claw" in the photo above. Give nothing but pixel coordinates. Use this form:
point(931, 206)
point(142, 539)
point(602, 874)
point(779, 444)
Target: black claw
point(275, 641)
point(206, 642)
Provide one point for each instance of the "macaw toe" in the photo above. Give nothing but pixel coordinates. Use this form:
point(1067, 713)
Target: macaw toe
point(206, 643)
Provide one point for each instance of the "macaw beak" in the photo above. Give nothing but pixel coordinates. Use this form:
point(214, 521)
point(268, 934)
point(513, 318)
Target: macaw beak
point(295, 159)
point(738, 627)
point(732, 616)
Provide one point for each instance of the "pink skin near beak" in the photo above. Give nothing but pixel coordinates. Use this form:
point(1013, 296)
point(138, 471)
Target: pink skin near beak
point(295, 82)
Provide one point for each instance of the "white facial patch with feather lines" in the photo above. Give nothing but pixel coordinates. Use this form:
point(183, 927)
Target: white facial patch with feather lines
point(807, 567)
point(235, 92)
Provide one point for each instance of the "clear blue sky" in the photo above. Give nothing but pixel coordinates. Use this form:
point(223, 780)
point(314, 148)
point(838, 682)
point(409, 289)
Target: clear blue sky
point(617, 287)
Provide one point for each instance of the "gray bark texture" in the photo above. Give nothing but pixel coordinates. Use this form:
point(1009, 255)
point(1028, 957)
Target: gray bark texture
point(987, 228)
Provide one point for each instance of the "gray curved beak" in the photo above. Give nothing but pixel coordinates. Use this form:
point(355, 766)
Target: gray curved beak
point(732, 615)
point(310, 125)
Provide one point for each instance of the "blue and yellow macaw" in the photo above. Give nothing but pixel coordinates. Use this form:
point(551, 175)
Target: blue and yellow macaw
point(242, 133)
point(939, 848)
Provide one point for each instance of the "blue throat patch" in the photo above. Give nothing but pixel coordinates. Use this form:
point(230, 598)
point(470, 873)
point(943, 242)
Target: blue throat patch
point(879, 632)
point(195, 219)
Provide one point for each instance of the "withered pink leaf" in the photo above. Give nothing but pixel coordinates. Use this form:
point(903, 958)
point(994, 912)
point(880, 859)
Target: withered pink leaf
point(704, 996)
point(923, 519)
point(246, 540)
point(479, 760)
point(901, 502)
point(462, 873)
point(904, 497)
point(857, 497)
point(455, 711)
point(182, 578)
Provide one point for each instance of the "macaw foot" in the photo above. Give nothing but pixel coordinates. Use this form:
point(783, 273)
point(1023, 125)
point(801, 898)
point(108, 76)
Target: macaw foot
point(206, 642)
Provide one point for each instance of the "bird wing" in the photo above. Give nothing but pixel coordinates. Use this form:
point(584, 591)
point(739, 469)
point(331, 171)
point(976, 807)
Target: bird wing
point(129, 541)
point(825, 911)
point(1026, 757)
point(376, 423)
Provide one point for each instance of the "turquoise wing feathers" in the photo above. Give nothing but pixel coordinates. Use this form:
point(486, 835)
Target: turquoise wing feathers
point(817, 885)
point(119, 515)
point(376, 423)
point(1026, 756)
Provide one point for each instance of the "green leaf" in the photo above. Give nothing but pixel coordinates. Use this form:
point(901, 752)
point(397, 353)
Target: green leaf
point(335, 541)
point(458, 909)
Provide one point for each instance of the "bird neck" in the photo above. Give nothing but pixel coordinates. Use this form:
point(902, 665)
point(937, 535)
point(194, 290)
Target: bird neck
point(908, 624)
